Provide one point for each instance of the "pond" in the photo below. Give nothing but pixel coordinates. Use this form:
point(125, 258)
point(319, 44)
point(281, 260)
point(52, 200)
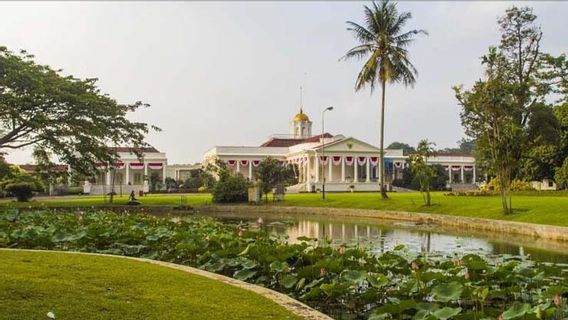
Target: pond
point(383, 235)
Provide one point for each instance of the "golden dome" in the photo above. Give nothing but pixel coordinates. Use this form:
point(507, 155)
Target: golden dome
point(301, 116)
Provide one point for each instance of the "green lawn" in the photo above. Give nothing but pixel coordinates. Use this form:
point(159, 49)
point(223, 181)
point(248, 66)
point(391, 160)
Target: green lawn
point(94, 287)
point(534, 207)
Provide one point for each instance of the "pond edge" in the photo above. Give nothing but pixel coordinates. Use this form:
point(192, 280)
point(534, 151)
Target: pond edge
point(541, 231)
point(294, 306)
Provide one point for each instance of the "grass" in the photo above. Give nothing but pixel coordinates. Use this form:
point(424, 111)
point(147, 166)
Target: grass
point(76, 286)
point(533, 207)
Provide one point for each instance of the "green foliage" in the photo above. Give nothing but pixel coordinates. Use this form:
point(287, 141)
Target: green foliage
point(230, 187)
point(199, 178)
point(155, 182)
point(384, 46)
point(20, 184)
point(62, 115)
point(423, 173)
point(271, 173)
point(561, 175)
point(341, 282)
point(23, 191)
point(516, 185)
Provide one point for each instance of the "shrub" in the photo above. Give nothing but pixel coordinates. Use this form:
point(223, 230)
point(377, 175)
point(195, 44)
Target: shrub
point(23, 191)
point(516, 185)
point(231, 188)
point(203, 189)
point(561, 175)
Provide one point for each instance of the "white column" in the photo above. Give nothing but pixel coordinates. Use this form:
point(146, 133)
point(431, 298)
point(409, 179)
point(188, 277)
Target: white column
point(250, 170)
point(316, 164)
point(355, 170)
point(330, 163)
point(462, 177)
point(368, 170)
point(108, 177)
point(238, 166)
point(127, 165)
point(164, 173)
point(308, 171)
point(342, 168)
point(450, 173)
point(146, 171)
point(474, 181)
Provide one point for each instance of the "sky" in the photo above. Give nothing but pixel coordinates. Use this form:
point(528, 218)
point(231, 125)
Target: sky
point(229, 73)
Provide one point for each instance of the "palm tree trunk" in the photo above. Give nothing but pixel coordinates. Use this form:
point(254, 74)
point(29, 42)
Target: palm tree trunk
point(381, 147)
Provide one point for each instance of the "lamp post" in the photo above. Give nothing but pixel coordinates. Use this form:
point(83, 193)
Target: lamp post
point(323, 150)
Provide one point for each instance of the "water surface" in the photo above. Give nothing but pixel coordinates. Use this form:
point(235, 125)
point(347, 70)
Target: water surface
point(383, 235)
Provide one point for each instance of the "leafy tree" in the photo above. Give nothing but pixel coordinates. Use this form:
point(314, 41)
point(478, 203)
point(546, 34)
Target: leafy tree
point(62, 115)
point(561, 175)
point(155, 182)
point(406, 148)
point(230, 187)
point(271, 173)
point(383, 44)
point(498, 110)
point(171, 184)
point(21, 184)
point(423, 173)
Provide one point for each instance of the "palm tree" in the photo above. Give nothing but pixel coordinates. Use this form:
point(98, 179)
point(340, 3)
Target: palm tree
point(383, 46)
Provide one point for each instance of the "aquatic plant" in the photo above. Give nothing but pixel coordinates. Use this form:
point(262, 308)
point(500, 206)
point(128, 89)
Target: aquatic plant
point(344, 282)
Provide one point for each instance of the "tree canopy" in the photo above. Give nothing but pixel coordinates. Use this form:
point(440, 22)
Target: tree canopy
point(63, 116)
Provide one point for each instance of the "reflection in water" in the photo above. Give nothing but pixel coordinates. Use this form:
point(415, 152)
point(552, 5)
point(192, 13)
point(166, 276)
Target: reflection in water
point(383, 237)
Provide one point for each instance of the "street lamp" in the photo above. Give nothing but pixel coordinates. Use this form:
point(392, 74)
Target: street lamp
point(323, 150)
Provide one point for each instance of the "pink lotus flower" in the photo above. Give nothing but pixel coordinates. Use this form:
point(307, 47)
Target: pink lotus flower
point(557, 300)
point(260, 220)
point(414, 265)
point(466, 275)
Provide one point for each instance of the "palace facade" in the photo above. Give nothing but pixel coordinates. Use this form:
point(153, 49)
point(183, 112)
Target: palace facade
point(344, 163)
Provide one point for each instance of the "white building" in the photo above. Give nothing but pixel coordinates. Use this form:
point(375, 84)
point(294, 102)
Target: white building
point(344, 162)
point(132, 173)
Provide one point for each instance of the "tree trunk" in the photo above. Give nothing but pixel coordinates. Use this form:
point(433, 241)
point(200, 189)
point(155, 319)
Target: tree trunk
point(381, 147)
point(503, 192)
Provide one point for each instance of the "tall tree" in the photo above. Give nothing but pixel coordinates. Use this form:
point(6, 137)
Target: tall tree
point(421, 170)
point(489, 115)
point(514, 121)
point(62, 115)
point(383, 45)
point(406, 148)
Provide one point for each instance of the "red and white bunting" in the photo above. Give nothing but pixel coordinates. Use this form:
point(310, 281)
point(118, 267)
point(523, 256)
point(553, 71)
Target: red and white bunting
point(398, 164)
point(467, 168)
point(336, 160)
point(244, 163)
point(446, 168)
point(374, 161)
point(255, 163)
point(456, 168)
point(323, 160)
point(155, 165)
point(136, 165)
point(101, 165)
point(119, 165)
point(361, 160)
point(349, 160)
point(232, 163)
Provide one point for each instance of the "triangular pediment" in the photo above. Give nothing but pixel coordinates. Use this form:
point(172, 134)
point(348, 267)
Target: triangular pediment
point(349, 145)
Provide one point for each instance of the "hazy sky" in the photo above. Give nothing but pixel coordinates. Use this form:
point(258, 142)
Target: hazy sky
point(228, 73)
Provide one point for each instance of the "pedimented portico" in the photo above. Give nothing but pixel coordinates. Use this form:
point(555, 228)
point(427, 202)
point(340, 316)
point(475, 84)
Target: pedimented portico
point(343, 163)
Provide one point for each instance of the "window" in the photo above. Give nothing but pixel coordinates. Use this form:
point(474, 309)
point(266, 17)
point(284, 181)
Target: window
point(550, 184)
point(137, 178)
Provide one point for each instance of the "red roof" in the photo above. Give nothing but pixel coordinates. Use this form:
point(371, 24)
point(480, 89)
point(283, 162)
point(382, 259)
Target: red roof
point(279, 142)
